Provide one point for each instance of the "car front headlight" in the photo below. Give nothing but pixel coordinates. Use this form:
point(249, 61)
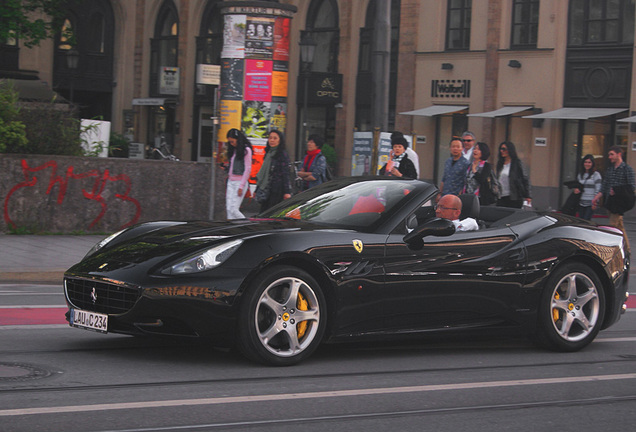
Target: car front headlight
point(205, 260)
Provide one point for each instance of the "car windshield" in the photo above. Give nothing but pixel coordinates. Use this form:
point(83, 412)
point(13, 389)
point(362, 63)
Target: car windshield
point(357, 205)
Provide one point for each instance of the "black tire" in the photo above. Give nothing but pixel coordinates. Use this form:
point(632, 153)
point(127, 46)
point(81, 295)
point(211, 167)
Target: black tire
point(572, 309)
point(282, 318)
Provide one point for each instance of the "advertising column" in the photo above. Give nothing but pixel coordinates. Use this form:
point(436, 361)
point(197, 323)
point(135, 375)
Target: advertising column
point(254, 72)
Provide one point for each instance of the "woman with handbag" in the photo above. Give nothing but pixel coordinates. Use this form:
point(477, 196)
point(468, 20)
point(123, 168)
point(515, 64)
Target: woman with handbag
point(480, 178)
point(239, 153)
point(515, 185)
point(273, 183)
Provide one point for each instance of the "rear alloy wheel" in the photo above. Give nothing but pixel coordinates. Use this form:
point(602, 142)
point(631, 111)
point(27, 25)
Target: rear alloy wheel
point(572, 309)
point(283, 318)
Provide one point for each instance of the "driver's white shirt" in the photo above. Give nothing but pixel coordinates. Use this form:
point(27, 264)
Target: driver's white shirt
point(468, 224)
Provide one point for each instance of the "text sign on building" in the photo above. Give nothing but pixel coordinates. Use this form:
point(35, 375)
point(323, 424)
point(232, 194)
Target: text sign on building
point(450, 88)
point(169, 80)
point(208, 74)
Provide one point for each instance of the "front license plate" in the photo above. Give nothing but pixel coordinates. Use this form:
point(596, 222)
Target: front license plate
point(89, 320)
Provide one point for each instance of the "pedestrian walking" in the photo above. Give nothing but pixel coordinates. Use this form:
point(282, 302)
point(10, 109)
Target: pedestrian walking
point(591, 182)
point(480, 176)
point(511, 174)
point(239, 152)
point(617, 190)
point(454, 169)
point(314, 169)
point(399, 164)
point(468, 143)
point(273, 183)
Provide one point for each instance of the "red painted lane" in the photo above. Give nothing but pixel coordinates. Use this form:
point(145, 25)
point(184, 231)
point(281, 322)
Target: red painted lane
point(55, 315)
point(32, 316)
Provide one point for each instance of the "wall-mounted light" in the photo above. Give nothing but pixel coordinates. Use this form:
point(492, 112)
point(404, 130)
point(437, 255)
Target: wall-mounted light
point(514, 64)
point(447, 66)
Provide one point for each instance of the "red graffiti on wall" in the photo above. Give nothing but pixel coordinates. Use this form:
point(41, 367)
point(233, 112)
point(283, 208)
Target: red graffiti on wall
point(99, 184)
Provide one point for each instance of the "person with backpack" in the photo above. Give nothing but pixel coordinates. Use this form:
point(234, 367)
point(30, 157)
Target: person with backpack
point(314, 170)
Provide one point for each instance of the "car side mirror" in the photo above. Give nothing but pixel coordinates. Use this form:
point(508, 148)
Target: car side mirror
point(437, 227)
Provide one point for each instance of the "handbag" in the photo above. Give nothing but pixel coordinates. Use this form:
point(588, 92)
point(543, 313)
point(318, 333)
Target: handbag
point(493, 185)
point(261, 195)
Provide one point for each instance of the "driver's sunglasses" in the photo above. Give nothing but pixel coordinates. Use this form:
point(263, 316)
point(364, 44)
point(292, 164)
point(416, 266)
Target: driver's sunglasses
point(441, 207)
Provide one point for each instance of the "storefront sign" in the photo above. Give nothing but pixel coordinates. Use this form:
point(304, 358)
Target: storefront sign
point(169, 80)
point(258, 11)
point(322, 88)
point(450, 88)
point(541, 142)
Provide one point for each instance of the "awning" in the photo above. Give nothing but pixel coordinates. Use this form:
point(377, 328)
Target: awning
point(577, 113)
point(501, 112)
point(628, 120)
point(152, 101)
point(434, 110)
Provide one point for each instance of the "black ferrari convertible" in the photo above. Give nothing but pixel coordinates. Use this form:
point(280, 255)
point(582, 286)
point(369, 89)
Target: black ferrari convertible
point(354, 258)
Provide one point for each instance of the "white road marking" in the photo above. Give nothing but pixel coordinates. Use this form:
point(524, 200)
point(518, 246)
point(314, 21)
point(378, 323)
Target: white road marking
point(309, 395)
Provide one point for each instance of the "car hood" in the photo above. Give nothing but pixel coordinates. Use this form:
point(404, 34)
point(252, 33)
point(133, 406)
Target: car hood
point(155, 244)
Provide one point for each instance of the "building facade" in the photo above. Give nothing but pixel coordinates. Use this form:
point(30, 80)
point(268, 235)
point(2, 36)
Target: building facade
point(554, 77)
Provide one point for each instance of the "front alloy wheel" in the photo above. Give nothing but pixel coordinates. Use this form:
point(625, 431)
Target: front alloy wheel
point(283, 318)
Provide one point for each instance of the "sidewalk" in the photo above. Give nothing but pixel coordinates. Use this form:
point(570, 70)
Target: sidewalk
point(45, 258)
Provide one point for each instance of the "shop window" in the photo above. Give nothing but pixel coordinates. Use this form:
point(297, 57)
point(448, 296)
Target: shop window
point(525, 23)
point(458, 24)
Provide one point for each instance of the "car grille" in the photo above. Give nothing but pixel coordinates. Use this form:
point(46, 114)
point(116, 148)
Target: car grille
point(99, 296)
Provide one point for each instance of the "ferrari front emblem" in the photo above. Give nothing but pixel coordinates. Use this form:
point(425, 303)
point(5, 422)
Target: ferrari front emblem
point(358, 246)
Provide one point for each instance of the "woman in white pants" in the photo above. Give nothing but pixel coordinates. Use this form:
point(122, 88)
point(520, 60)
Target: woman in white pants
point(239, 153)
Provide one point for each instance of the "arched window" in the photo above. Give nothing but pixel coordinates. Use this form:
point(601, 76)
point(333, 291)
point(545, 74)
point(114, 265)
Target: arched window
point(364, 80)
point(322, 25)
point(67, 34)
point(210, 40)
point(97, 35)
point(164, 44)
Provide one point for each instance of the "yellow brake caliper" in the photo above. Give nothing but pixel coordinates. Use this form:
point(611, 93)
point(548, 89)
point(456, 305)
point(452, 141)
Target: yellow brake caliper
point(555, 311)
point(301, 304)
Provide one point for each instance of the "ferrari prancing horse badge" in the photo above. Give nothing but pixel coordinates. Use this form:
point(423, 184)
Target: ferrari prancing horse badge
point(358, 246)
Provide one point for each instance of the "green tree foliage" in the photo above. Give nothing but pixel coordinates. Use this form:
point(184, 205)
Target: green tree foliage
point(31, 21)
point(52, 130)
point(12, 130)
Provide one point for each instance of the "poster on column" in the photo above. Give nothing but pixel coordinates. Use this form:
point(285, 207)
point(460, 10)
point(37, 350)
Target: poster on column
point(258, 80)
point(256, 115)
point(280, 78)
point(232, 79)
point(282, 29)
point(361, 154)
point(259, 38)
point(279, 116)
point(234, 36)
point(231, 112)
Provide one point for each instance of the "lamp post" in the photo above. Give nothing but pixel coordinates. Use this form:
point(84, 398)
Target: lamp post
point(307, 51)
point(72, 60)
